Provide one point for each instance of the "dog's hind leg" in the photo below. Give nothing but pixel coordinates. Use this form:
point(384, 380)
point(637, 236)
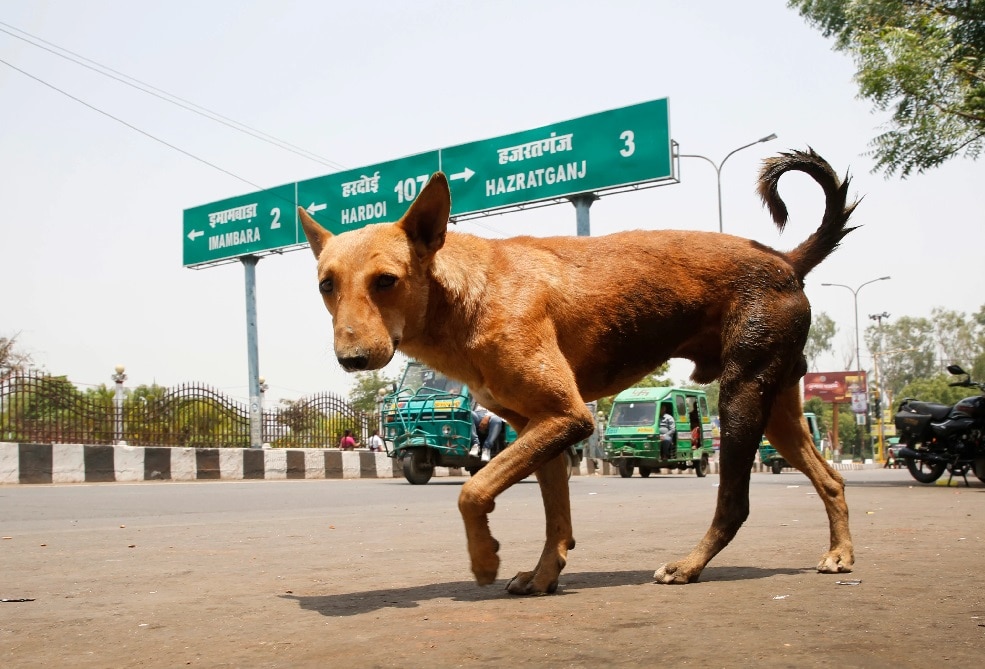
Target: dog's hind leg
point(743, 420)
point(553, 480)
point(788, 433)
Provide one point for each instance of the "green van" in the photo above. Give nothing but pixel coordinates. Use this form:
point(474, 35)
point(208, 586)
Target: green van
point(632, 434)
point(770, 458)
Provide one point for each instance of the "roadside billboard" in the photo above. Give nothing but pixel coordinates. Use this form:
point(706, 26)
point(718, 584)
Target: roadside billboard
point(836, 387)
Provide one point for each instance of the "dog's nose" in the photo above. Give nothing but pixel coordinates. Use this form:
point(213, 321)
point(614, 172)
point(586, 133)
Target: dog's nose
point(355, 363)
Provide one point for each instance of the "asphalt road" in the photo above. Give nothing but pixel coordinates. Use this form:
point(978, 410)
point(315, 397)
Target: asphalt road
point(353, 573)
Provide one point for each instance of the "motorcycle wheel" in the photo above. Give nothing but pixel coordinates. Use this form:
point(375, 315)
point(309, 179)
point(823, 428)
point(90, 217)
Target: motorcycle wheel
point(923, 471)
point(980, 468)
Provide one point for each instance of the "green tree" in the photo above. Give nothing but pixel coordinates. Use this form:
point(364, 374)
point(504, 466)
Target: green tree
point(908, 352)
point(958, 337)
point(848, 429)
point(977, 365)
point(935, 389)
point(924, 60)
point(42, 409)
point(819, 338)
point(366, 388)
point(12, 359)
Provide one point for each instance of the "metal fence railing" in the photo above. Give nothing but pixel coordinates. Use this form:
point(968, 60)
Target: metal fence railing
point(39, 408)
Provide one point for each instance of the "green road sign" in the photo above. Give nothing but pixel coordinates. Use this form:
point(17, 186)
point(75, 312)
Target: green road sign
point(348, 200)
point(609, 150)
point(240, 226)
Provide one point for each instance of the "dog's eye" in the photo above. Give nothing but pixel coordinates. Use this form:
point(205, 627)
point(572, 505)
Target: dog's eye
point(326, 286)
point(385, 281)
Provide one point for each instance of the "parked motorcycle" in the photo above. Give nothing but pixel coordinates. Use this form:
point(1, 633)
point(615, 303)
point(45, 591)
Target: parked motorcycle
point(935, 437)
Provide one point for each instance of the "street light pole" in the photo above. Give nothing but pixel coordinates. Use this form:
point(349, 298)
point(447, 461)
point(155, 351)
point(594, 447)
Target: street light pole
point(878, 389)
point(858, 355)
point(718, 168)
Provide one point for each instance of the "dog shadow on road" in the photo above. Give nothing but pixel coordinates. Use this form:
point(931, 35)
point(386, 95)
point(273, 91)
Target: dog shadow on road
point(355, 603)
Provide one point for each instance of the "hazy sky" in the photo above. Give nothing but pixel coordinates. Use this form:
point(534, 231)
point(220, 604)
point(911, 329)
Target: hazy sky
point(91, 231)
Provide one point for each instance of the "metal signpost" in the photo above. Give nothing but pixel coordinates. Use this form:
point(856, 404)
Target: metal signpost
point(613, 151)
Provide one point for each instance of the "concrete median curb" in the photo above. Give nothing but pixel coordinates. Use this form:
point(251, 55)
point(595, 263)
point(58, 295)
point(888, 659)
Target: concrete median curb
point(78, 463)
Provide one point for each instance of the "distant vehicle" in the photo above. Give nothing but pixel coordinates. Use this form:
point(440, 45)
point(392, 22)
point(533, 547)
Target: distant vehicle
point(893, 447)
point(939, 437)
point(632, 435)
point(427, 423)
point(768, 455)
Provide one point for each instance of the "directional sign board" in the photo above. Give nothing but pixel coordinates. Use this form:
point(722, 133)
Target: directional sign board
point(240, 226)
point(607, 151)
point(602, 151)
point(352, 199)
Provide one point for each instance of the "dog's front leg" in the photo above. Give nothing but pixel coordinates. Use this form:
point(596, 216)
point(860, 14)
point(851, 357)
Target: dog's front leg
point(539, 449)
point(475, 503)
point(553, 480)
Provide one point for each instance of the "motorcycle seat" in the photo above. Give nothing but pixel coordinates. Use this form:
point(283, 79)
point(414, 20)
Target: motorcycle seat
point(937, 412)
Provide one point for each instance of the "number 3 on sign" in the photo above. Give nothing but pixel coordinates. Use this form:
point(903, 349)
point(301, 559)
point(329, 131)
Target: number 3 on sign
point(629, 139)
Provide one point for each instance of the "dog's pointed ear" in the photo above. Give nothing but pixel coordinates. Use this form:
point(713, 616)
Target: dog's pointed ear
point(316, 234)
point(426, 222)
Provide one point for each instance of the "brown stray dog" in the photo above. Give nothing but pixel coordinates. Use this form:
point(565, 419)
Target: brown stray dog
point(539, 326)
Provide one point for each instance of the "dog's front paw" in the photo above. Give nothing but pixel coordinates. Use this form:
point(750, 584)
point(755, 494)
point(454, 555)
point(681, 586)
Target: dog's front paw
point(485, 563)
point(673, 573)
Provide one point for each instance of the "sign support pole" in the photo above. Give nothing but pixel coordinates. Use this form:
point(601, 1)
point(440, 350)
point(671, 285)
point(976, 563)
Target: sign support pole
point(583, 203)
point(252, 353)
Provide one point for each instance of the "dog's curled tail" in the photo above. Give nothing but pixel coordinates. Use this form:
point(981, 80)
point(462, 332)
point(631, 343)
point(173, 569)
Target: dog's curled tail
point(837, 211)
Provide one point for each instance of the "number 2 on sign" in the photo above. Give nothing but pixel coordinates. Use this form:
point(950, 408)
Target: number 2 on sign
point(407, 189)
point(275, 224)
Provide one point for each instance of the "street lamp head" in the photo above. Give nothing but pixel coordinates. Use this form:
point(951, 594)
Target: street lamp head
point(120, 369)
point(768, 137)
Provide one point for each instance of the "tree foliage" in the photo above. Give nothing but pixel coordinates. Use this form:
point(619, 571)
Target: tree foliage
point(12, 359)
point(922, 59)
point(935, 389)
point(819, 338)
point(365, 391)
point(912, 349)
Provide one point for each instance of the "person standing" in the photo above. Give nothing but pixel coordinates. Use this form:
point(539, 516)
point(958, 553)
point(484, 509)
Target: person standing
point(376, 442)
point(668, 433)
point(347, 443)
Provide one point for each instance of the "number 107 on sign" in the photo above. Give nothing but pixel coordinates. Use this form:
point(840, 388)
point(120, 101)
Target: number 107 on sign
point(408, 188)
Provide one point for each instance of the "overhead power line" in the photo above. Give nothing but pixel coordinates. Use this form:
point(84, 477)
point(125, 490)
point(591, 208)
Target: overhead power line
point(130, 125)
point(170, 98)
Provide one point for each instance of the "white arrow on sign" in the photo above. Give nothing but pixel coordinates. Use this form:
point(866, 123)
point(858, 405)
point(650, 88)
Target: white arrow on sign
point(195, 233)
point(313, 208)
point(464, 175)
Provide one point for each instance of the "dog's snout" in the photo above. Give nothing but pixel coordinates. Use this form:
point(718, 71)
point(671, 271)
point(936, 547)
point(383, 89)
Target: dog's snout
point(356, 363)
